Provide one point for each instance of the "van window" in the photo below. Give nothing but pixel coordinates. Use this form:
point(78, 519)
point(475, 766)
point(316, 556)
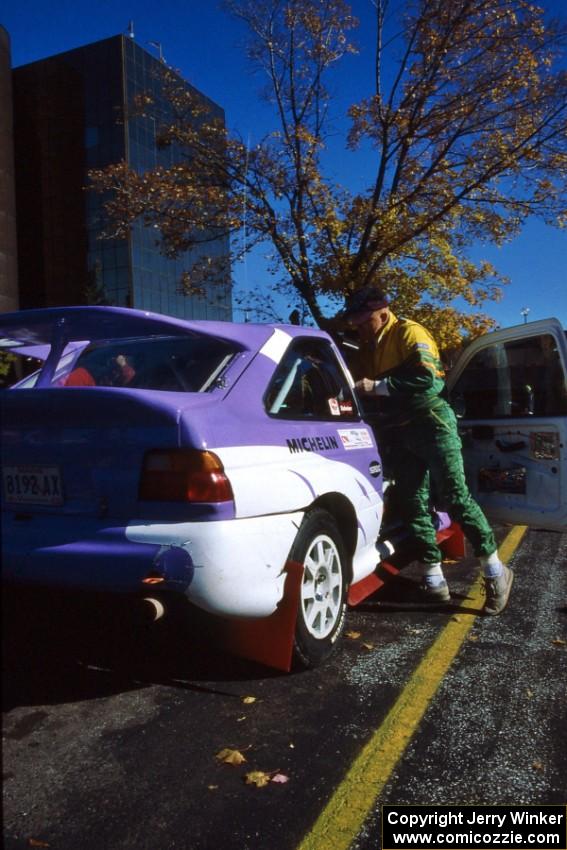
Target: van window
point(523, 377)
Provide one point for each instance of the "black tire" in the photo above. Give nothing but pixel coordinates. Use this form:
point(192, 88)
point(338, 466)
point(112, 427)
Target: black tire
point(322, 604)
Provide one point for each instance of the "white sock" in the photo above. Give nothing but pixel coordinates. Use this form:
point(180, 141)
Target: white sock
point(433, 574)
point(492, 565)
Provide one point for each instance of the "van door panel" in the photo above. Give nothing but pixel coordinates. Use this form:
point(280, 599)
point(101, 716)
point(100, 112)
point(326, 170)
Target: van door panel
point(509, 391)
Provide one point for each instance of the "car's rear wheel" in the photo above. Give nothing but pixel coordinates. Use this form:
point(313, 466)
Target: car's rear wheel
point(319, 547)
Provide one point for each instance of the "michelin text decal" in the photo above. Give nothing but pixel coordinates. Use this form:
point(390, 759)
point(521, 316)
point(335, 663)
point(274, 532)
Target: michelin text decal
point(313, 444)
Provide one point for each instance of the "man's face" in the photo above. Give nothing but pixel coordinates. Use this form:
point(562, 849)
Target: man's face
point(371, 323)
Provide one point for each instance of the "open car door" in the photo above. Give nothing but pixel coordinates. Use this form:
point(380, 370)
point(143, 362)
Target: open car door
point(509, 392)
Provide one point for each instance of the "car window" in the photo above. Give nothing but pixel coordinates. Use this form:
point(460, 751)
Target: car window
point(309, 383)
point(521, 377)
point(59, 377)
point(190, 363)
point(15, 367)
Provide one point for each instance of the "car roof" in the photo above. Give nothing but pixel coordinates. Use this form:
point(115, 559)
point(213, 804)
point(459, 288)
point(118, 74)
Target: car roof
point(36, 327)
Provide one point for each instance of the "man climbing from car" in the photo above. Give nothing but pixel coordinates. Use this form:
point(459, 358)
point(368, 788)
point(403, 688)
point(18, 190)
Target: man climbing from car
point(398, 364)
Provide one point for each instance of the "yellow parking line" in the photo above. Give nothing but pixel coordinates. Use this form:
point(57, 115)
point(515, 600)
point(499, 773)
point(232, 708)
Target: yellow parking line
point(342, 818)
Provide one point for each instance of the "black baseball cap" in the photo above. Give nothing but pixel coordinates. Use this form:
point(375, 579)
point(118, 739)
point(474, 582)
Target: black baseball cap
point(364, 300)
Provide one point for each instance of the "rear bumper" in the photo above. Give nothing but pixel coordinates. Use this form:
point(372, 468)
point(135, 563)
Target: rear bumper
point(231, 567)
point(238, 565)
point(74, 552)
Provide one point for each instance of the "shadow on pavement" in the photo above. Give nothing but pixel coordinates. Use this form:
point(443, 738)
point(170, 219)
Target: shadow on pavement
point(65, 648)
point(402, 593)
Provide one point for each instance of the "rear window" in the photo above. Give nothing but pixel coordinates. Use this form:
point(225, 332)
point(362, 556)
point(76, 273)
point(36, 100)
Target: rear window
point(178, 364)
point(15, 366)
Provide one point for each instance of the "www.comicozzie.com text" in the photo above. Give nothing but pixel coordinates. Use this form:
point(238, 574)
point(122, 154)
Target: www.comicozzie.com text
point(468, 827)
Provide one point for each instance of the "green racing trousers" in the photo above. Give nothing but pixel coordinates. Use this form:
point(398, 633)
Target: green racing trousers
point(424, 459)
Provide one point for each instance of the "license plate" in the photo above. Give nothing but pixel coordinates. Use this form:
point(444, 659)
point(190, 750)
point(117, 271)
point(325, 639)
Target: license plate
point(32, 485)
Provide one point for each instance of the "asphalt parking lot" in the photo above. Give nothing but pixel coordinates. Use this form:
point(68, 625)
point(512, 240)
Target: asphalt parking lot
point(111, 736)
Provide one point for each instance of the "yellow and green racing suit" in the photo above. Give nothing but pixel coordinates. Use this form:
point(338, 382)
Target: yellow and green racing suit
point(418, 436)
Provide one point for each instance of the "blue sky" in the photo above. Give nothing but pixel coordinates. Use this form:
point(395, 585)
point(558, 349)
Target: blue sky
point(204, 44)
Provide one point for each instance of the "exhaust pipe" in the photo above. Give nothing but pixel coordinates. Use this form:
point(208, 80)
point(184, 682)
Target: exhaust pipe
point(154, 608)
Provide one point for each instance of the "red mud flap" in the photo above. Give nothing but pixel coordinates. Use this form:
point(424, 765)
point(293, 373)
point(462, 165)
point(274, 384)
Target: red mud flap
point(451, 541)
point(367, 586)
point(268, 640)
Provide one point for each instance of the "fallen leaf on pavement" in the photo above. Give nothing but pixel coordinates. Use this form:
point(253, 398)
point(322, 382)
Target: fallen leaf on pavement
point(248, 700)
point(368, 646)
point(35, 842)
point(281, 778)
point(353, 635)
point(473, 637)
point(228, 756)
point(257, 778)
point(537, 765)
point(559, 642)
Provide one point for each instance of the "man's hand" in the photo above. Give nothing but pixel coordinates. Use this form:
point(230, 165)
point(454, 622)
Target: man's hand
point(366, 386)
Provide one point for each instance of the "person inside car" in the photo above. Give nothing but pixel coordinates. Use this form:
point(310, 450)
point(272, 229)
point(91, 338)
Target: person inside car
point(116, 371)
point(80, 377)
point(122, 372)
point(398, 364)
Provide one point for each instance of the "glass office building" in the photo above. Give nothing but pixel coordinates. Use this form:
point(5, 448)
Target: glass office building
point(71, 114)
point(8, 244)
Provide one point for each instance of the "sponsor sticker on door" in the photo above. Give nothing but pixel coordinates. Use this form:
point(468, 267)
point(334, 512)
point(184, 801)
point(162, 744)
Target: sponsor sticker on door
point(355, 438)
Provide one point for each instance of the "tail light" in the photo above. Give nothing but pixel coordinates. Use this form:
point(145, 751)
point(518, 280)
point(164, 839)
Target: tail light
point(184, 475)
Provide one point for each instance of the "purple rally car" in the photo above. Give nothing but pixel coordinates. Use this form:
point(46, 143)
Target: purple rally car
point(157, 457)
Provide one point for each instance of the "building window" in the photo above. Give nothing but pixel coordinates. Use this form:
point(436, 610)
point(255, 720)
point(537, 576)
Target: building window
point(92, 137)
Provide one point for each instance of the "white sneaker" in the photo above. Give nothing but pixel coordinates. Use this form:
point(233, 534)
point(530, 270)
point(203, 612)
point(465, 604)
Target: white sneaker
point(497, 592)
point(436, 593)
